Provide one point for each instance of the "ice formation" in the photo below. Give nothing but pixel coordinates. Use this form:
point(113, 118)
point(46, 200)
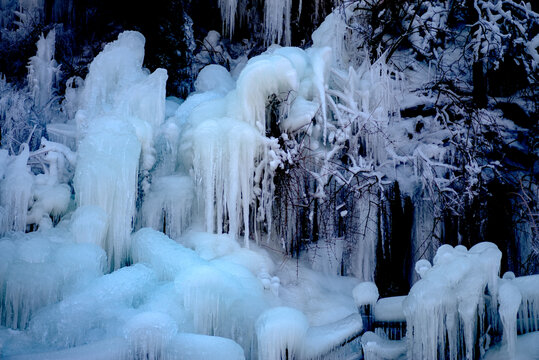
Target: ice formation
point(280, 333)
point(201, 172)
point(16, 190)
point(366, 293)
point(38, 268)
point(528, 312)
point(390, 309)
point(447, 306)
point(277, 19)
point(365, 254)
point(378, 348)
point(277, 16)
point(122, 107)
point(228, 13)
point(224, 136)
point(107, 165)
point(168, 205)
point(43, 70)
point(510, 299)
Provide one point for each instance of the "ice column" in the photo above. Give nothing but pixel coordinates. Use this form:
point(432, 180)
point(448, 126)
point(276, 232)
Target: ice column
point(510, 299)
point(16, 190)
point(122, 107)
point(42, 70)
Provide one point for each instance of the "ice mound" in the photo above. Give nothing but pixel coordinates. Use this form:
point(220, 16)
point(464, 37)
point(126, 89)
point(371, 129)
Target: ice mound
point(97, 311)
point(224, 300)
point(202, 347)
point(166, 257)
point(320, 341)
point(183, 346)
point(38, 269)
point(527, 348)
point(378, 348)
point(447, 306)
point(281, 332)
point(390, 309)
point(209, 246)
point(214, 78)
point(366, 293)
point(148, 334)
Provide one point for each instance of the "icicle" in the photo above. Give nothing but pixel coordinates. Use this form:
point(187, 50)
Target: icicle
point(167, 207)
point(529, 310)
point(228, 13)
point(277, 15)
point(365, 251)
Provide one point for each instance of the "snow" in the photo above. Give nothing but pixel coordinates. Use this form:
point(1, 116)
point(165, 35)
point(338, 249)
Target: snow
point(214, 78)
point(390, 309)
point(377, 348)
point(320, 340)
point(527, 348)
point(365, 293)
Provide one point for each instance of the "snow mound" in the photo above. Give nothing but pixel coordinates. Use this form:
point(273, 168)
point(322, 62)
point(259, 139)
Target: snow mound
point(366, 293)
